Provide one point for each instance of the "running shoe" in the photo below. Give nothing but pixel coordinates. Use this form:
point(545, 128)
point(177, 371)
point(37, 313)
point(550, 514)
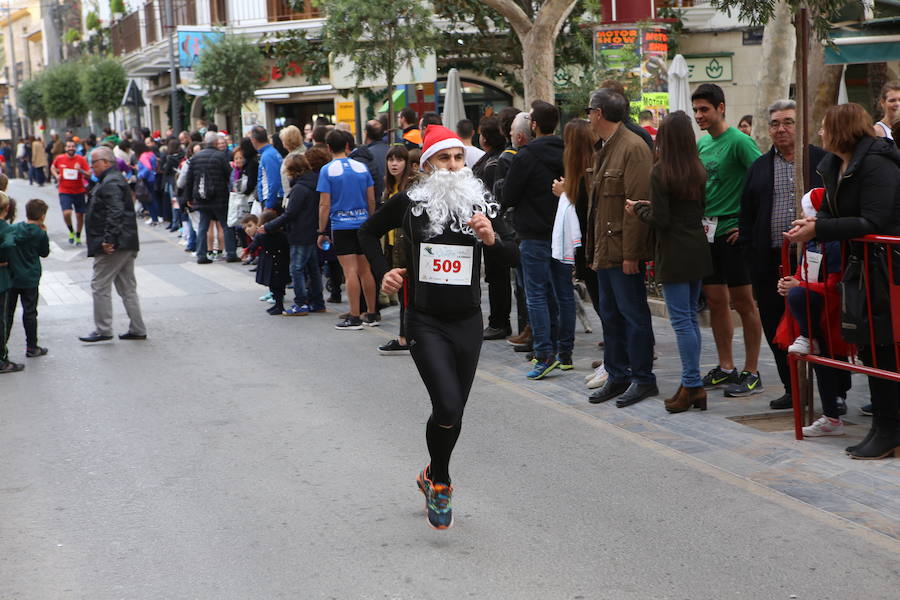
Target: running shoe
point(266, 297)
point(542, 368)
point(598, 377)
point(719, 377)
point(423, 481)
point(297, 311)
point(350, 323)
point(565, 361)
point(437, 506)
point(371, 319)
point(824, 426)
point(866, 410)
point(747, 385)
point(77, 240)
point(317, 308)
point(393, 347)
point(35, 351)
point(72, 237)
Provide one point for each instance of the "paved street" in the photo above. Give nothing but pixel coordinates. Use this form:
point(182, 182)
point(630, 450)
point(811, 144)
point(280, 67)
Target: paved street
point(235, 455)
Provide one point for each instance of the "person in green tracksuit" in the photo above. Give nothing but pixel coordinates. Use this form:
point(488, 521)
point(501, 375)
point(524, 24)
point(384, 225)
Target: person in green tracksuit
point(6, 366)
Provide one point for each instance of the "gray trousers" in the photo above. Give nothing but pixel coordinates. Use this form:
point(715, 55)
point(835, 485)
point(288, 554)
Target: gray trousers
point(117, 268)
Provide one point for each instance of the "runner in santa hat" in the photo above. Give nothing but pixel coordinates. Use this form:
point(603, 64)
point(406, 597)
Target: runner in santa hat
point(449, 219)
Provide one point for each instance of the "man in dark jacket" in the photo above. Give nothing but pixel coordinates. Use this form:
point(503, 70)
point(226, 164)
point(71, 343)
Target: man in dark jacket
point(112, 240)
point(767, 210)
point(365, 156)
point(548, 283)
point(379, 149)
point(206, 191)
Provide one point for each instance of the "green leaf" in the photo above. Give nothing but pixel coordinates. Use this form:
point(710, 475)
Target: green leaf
point(230, 70)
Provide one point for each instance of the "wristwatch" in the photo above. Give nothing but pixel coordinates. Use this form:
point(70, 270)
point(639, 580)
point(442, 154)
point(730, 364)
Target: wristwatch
point(322, 233)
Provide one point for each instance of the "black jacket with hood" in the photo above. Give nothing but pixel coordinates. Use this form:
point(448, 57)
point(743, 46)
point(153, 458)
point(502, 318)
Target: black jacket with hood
point(866, 198)
point(300, 218)
point(528, 187)
point(365, 156)
point(110, 217)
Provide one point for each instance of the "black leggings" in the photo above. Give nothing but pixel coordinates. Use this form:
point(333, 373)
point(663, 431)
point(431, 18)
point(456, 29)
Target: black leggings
point(446, 355)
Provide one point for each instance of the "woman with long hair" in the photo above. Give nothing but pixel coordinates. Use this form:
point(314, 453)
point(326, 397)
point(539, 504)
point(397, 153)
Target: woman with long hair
point(862, 197)
point(682, 257)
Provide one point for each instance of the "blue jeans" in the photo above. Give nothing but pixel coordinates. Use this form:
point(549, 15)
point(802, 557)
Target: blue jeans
point(797, 304)
point(627, 326)
point(305, 263)
point(681, 301)
point(550, 295)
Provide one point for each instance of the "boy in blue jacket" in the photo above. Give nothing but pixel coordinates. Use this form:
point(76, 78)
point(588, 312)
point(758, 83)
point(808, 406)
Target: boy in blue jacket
point(25, 244)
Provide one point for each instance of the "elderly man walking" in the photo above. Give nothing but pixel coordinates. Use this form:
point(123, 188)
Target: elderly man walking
point(112, 240)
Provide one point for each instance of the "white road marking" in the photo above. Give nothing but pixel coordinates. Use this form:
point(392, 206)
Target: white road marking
point(227, 278)
point(57, 252)
point(57, 288)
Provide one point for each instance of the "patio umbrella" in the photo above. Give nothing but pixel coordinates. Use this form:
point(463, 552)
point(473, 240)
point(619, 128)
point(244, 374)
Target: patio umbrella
point(454, 111)
point(679, 88)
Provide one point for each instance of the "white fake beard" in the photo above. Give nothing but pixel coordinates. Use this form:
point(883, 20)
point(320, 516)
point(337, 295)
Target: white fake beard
point(451, 198)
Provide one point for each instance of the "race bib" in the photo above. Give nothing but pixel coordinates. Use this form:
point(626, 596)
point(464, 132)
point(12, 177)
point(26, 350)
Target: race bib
point(813, 266)
point(709, 227)
point(446, 264)
point(70, 174)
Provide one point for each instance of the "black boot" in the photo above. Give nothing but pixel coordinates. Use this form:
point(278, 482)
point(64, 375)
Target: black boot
point(865, 440)
point(885, 438)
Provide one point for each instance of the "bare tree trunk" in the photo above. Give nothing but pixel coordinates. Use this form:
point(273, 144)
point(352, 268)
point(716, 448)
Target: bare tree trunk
point(776, 68)
point(538, 66)
point(878, 76)
point(823, 96)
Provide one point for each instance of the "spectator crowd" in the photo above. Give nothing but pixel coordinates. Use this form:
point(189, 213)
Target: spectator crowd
point(592, 205)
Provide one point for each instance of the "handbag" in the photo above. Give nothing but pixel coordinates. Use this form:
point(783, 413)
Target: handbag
point(237, 208)
point(856, 280)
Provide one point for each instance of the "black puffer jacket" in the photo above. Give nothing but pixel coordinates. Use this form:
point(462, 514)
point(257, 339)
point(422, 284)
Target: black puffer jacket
point(300, 219)
point(209, 171)
point(866, 198)
point(528, 187)
point(110, 216)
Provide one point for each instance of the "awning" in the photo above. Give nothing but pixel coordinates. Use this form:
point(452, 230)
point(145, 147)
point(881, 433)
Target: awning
point(863, 49)
point(399, 99)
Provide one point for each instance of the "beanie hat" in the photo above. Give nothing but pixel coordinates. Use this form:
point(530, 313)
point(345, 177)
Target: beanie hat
point(437, 138)
point(812, 201)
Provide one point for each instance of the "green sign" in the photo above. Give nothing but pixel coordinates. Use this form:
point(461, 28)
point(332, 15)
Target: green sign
point(709, 68)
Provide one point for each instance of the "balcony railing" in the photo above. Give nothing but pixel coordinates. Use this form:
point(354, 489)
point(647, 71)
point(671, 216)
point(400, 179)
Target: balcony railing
point(281, 10)
point(126, 34)
point(185, 12)
point(150, 22)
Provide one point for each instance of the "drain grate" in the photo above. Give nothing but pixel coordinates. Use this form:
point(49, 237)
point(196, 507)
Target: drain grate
point(774, 421)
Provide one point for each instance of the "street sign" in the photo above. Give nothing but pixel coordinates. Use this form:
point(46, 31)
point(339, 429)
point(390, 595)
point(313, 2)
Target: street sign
point(709, 68)
point(345, 112)
point(421, 71)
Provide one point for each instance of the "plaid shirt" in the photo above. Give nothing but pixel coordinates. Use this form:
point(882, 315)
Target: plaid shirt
point(783, 201)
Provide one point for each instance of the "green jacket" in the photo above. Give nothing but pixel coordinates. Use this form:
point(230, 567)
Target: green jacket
point(25, 244)
point(5, 272)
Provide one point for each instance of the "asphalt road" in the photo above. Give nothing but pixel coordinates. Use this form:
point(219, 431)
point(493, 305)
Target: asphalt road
point(235, 455)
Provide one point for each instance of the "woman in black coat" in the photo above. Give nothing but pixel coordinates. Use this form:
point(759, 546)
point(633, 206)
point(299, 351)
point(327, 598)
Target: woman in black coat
point(862, 183)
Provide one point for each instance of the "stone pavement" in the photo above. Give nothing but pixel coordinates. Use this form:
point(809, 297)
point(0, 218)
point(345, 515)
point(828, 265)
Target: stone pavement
point(814, 471)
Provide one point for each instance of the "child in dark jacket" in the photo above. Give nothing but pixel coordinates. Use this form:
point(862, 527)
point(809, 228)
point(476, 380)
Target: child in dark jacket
point(273, 268)
point(25, 244)
point(7, 214)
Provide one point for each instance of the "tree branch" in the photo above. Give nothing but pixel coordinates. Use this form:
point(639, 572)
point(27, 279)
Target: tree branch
point(553, 14)
point(517, 18)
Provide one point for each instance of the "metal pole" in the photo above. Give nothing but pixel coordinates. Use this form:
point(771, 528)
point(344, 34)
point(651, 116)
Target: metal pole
point(13, 81)
point(173, 73)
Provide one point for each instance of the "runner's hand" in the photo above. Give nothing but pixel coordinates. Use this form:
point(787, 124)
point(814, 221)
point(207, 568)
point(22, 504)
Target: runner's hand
point(392, 281)
point(733, 235)
point(483, 229)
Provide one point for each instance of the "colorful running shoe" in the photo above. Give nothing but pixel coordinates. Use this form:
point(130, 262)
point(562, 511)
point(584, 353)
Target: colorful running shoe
point(565, 361)
point(437, 501)
point(540, 369)
point(72, 237)
point(748, 384)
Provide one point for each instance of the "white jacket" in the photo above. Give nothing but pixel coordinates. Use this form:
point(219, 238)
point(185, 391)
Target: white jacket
point(566, 232)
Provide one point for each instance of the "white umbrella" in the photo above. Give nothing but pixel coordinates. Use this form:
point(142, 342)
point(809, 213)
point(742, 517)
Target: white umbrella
point(454, 110)
point(679, 88)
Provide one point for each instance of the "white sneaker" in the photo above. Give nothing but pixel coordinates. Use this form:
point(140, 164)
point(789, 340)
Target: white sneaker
point(803, 346)
point(824, 426)
point(600, 377)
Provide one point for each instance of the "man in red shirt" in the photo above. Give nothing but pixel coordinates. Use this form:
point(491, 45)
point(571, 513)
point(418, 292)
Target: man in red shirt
point(70, 170)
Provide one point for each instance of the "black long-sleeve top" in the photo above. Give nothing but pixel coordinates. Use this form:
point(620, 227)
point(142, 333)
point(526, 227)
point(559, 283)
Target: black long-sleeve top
point(448, 302)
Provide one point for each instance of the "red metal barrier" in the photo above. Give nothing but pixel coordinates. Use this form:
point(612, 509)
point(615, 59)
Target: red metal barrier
point(829, 361)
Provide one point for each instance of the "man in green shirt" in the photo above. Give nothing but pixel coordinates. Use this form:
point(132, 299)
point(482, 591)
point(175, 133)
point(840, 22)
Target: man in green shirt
point(727, 153)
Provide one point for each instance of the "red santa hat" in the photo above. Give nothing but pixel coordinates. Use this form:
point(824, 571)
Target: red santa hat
point(437, 138)
point(812, 201)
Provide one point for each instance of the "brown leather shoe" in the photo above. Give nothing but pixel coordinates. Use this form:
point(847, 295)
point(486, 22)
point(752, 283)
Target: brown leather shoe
point(524, 337)
point(685, 398)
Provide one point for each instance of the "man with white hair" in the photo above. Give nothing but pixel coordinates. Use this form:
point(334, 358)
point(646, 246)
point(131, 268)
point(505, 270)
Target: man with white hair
point(112, 240)
point(448, 218)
